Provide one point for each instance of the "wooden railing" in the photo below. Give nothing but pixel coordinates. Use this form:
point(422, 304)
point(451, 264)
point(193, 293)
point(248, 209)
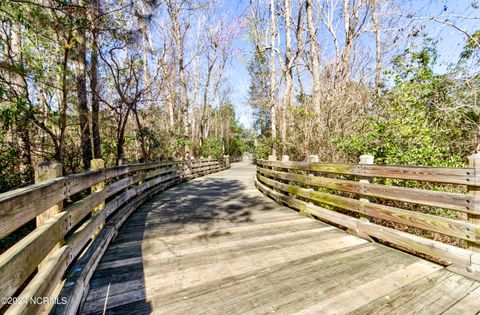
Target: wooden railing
point(73, 239)
point(356, 197)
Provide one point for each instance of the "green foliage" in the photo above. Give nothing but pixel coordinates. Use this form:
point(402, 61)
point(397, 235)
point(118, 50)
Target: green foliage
point(236, 147)
point(212, 147)
point(10, 177)
point(472, 46)
point(14, 112)
point(264, 147)
point(412, 130)
point(259, 91)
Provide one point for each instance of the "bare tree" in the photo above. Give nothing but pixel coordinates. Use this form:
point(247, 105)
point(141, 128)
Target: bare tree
point(94, 87)
point(80, 70)
point(273, 75)
point(378, 45)
point(314, 55)
point(178, 33)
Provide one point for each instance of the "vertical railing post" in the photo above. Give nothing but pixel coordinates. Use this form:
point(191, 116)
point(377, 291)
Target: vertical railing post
point(272, 158)
point(311, 159)
point(45, 171)
point(366, 159)
point(97, 164)
point(182, 169)
point(286, 158)
point(226, 161)
point(192, 164)
point(474, 190)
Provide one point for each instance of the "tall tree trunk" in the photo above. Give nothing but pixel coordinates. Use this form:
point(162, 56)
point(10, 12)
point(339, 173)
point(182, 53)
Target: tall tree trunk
point(288, 95)
point(120, 143)
point(141, 132)
point(314, 57)
point(350, 16)
point(170, 98)
point(63, 99)
point(19, 88)
point(186, 103)
point(95, 99)
point(171, 113)
point(82, 102)
point(273, 83)
point(121, 126)
point(146, 70)
point(205, 102)
point(176, 32)
point(378, 47)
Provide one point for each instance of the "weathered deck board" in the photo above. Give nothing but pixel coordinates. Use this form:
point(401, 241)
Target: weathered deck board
point(216, 245)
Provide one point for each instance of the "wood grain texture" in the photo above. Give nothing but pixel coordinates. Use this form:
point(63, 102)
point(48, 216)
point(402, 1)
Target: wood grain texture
point(216, 245)
point(443, 251)
point(455, 201)
point(455, 228)
point(84, 267)
point(43, 284)
point(468, 305)
point(440, 293)
point(461, 176)
point(20, 261)
point(370, 291)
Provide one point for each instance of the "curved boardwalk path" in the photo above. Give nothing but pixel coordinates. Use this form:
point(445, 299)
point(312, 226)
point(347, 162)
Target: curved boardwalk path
point(217, 245)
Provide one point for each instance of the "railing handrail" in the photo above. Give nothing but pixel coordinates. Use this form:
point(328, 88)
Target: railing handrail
point(54, 190)
point(448, 175)
point(60, 237)
point(304, 186)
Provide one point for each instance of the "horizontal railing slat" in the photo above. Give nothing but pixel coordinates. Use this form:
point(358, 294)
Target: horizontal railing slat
point(426, 246)
point(83, 207)
point(451, 227)
point(17, 207)
point(460, 176)
point(21, 260)
point(49, 275)
point(20, 206)
point(453, 201)
point(82, 235)
point(81, 272)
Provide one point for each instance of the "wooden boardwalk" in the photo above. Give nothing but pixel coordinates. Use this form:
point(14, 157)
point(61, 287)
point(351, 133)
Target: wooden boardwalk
point(216, 245)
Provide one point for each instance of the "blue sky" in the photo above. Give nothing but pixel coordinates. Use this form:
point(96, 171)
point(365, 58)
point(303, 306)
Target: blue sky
point(237, 70)
point(450, 41)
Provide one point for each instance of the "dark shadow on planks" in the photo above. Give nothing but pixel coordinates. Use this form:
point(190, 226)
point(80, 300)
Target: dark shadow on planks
point(199, 203)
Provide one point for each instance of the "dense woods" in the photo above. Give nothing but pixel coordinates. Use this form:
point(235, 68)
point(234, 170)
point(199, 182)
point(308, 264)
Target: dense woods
point(398, 80)
point(344, 78)
point(127, 81)
point(132, 81)
point(363, 114)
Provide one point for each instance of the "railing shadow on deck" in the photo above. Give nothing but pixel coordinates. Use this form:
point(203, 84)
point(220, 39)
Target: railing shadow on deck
point(108, 276)
point(189, 207)
point(77, 217)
